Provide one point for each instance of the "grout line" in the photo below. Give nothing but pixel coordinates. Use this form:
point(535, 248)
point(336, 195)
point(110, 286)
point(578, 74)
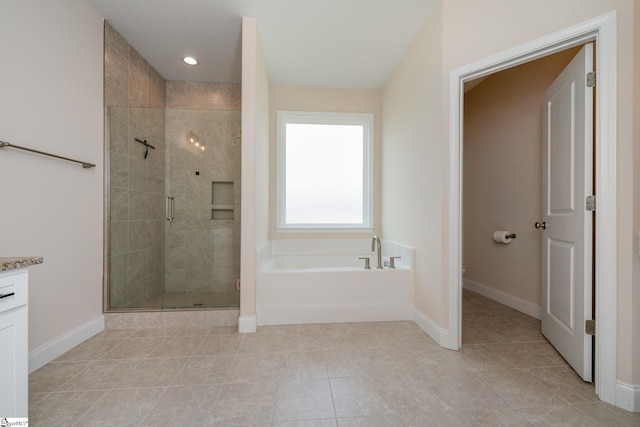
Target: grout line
point(333, 401)
point(224, 380)
point(91, 363)
point(90, 408)
point(235, 357)
point(275, 402)
point(155, 404)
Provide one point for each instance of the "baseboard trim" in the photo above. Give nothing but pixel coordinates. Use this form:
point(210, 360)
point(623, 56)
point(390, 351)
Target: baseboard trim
point(502, 297)
point(439, 335)
point(628, 396)
point(247, 324)
point(53, 349)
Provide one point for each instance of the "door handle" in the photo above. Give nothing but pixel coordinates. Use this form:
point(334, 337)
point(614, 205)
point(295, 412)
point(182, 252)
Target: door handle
point(542, 225)
point(169, 208)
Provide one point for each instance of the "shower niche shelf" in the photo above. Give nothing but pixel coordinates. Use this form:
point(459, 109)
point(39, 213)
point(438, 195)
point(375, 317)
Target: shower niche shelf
point(222, 198)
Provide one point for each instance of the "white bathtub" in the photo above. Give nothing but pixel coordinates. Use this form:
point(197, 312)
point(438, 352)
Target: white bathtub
point(304, 282)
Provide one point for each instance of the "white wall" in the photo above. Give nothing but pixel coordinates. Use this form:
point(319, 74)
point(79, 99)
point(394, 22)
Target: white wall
point(262, 150)
point(255, 167)
point(51, 100)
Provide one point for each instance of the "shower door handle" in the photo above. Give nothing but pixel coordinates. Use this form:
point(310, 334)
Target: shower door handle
point(168, 212)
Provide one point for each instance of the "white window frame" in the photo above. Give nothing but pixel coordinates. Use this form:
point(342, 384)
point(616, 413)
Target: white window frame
point(328, 118)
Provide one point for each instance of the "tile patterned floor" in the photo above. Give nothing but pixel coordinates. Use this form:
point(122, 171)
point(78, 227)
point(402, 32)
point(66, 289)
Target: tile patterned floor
point(383, 374)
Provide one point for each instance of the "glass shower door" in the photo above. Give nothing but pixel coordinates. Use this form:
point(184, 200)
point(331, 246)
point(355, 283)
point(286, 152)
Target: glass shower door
point(202, 229)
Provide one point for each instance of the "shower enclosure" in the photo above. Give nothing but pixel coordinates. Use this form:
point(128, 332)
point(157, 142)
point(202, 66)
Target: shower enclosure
point(173, 226)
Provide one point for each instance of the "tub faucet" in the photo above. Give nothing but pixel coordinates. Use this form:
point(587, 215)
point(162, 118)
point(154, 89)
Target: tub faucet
point(375, 240)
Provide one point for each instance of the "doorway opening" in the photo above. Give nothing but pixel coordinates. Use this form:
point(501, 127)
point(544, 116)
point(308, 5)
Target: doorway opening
point(602, 31)
point(503, 192)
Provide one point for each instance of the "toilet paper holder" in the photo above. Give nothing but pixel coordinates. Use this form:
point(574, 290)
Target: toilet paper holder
point(503, 236)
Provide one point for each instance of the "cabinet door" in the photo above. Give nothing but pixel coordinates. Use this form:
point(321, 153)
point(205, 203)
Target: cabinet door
point(13, 363)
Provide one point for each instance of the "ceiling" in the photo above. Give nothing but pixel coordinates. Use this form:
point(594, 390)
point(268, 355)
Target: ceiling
point(321, 43)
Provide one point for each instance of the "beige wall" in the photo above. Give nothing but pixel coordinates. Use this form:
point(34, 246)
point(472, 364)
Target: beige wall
point(635, 300)
point(130, 81)
point(414, 160)
point(287, 98)
point(51, 86)
point(463, 32)
point(502, 184)
point(134, 107)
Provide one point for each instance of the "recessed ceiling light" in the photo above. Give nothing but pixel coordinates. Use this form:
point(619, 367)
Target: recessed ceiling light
point(190, 60)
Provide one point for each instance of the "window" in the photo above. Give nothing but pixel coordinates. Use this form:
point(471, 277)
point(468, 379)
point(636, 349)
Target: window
point(325, 171)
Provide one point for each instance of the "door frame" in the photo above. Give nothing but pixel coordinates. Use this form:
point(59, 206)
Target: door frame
point(602, 30)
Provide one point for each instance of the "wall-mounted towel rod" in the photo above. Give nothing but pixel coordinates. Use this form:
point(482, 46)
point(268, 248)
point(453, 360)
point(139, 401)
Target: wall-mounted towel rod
point(84, 164)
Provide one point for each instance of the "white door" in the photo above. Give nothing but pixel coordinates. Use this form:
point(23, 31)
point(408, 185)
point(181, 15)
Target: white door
point(567, 179)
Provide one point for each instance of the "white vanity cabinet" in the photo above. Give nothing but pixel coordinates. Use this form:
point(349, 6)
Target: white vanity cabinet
point(14, 338)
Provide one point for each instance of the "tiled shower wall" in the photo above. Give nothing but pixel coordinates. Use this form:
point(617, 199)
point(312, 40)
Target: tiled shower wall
point(193, 253)
point(134, 101)
point(203, 251)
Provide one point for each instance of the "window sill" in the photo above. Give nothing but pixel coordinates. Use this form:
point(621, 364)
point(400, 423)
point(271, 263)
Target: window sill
point(324, 230)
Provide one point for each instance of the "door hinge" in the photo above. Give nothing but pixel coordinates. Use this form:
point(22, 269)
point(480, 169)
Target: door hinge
point(591, 79)
point(590, 327)
point(237, 284)
point(590, 204)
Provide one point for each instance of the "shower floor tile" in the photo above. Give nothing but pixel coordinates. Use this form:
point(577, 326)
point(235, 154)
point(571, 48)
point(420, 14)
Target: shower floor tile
point(350, 374)
point(195, 300)
point(178, 300)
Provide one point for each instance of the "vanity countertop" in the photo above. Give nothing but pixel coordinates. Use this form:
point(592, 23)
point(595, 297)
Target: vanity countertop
point(18, 262)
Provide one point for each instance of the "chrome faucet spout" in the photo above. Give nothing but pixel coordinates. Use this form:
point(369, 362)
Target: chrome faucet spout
point(375, 244)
